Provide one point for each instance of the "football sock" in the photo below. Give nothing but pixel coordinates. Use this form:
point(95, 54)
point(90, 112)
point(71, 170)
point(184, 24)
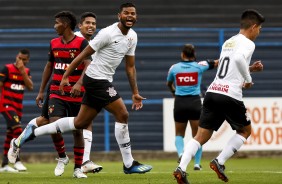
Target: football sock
point(179, 144)
point(9, 137)
point(59, 145)
point(190, 150)
point(78, 155)
point(198, 156)
point(123, 140)
point(17, 131)
point(232, 147)
point(60, 126)
point(87, 135)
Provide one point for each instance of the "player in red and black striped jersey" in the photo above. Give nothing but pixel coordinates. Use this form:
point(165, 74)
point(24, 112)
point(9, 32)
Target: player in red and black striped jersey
point(14, 78)
point(62, 51)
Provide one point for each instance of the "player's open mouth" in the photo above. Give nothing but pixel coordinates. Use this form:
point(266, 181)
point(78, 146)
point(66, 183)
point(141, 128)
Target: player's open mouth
point(90, 30)
point(129, 22)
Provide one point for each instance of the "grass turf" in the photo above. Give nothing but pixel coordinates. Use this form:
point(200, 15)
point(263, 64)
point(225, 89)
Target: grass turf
point(257, 170)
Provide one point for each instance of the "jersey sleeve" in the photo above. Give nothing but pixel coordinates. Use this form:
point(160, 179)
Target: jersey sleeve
point(243, 67)
point(248, 51)
point(206, 65)
point(84, 44)
point(170, 76)
point(243, 58)
point(28, 72)
point(131, 50)
point(100, 40)
point(4, 74)
point(51, 57)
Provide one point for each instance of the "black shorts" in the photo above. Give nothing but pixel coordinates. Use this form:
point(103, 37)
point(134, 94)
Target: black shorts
point(44, 109)
point(217, 108)
point(98, 93)
point(187, 108)
point(11, 117)
point(62, 108)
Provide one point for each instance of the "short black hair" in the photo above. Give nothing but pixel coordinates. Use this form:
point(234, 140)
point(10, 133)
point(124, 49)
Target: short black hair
point(25, 51)
point(126, 5)
point(250, 17)
point(87, 14)
point(68, 17)
point(189, 51)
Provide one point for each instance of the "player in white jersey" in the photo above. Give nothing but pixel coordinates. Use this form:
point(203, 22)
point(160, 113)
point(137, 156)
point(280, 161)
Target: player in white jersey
point(110, 46)
point(223, 100)
point(87, 25)
point(87, 28)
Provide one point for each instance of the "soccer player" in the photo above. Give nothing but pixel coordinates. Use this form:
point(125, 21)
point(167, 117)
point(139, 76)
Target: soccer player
point(14, 78)
point(87, 28)
point(63, 50)
point(184, 81)
point(110, 46)
point(87, 25)
point(223, 100)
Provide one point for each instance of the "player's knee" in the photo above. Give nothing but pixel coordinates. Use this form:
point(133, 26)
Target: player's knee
point(40, 121)
point(244, 132)
point(123, 117)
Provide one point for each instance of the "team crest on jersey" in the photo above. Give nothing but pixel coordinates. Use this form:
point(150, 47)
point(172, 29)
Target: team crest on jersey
point(16, 118)
point(15, 77)
point(72, 53)
point(112, 92)
point(230, 44)
point(248, 118)
point(51, 109)
point(130, 40)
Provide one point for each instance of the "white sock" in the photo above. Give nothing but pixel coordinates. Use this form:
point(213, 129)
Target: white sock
point(60, 126)
point(190, 150)
point(233, 145)
point(87, 135)
point(123, 140)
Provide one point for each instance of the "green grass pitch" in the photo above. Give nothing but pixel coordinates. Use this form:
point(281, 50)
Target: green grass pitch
point(249, 171)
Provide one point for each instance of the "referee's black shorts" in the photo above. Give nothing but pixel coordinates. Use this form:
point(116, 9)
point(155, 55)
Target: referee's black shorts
point(187, 108)
point(218, 107)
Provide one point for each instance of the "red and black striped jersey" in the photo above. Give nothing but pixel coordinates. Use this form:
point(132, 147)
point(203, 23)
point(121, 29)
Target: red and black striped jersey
point(61, 55)
point(12, 91)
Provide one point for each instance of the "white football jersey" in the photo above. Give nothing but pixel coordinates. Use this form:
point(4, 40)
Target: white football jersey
point(78, 33)
point(110, 47)
point(233, 69)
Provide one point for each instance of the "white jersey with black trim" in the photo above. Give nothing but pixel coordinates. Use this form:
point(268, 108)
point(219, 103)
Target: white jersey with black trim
point(110, 47)
point(78, 33)
point(233, 69)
